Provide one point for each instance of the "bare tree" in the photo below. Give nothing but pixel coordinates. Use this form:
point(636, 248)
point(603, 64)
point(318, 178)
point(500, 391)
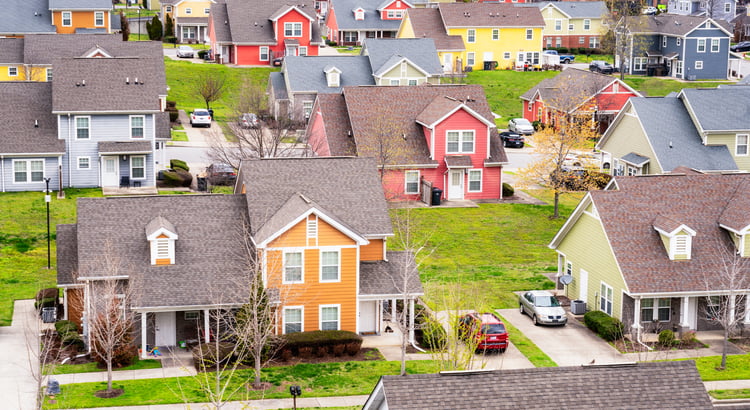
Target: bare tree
point(728, 273)
point(623, 18)
point(210, 87)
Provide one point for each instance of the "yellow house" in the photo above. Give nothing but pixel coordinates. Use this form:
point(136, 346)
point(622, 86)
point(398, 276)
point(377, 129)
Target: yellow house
point(573, 24)
point(495, 35)
point(429, 24)
point(13, 67)
point(190, 19)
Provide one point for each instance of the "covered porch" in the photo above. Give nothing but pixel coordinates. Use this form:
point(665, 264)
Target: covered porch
point(171, 329)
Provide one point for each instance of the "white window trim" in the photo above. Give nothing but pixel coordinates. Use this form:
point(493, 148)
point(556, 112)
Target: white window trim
point(529, 34)
point(78, 162)
point(320, 267)
point(571, 27)
point(481, 180)
point(746, 144)
point(406, 181)
point(188, 10)
point(495, 34)
point(471, 35)
point(168, 9)
point(603, 297)
point(461, 142)
point(261, 52)
point(28, 170)
point(338, 315)
point(558, 24)
point(170, 250)
point(663, 41)
point(471, 59)
point(75, 126)
point(506, 55)
point(11, 74)
point(207, 11)
point(98, 13)
point(698, 45)
point(312, 228)
point(145, 168)
point(70, 18)
point(586, 24)
point(678, 42)
point(301, 251)
point(301, 49)
point(699, 64)
point(48, 73)
point(292, 25)
point(302, 317)
point(130, 125)
point(718, 45)
point(655, 308)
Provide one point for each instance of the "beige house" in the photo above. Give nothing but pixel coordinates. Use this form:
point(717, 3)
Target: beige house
point(190, 19)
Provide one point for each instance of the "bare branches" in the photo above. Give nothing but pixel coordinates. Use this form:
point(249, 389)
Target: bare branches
point(210, 87)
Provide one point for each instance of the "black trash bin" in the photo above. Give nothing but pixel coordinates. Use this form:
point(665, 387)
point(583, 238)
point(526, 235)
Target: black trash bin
point(487, 65)
point(202, 184)
point(49, 314)
point(436, 194)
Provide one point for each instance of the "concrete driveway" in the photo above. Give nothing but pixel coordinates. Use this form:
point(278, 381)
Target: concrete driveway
point(569, 345)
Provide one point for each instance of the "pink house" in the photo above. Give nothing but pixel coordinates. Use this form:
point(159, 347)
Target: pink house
point(443, 136)
point(255, 32)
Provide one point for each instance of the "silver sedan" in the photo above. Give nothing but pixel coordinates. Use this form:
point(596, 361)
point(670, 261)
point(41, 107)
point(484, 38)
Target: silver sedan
point(543, 308)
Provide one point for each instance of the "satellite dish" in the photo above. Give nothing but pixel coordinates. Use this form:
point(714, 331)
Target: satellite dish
point(566, 279)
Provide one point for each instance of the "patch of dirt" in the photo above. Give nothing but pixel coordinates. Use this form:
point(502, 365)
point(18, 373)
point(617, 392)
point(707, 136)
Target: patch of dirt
point(109, 394)
point(742, 343)
point(262, 386)
point(364, 354)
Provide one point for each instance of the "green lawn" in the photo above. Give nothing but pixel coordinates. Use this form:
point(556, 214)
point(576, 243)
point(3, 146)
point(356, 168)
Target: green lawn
point(179, 135)
point(730, 394)
point(503, 87)
point(738, 367)
point(92, 367)
point(316, 380)
point(182, 77)
point(657, 87)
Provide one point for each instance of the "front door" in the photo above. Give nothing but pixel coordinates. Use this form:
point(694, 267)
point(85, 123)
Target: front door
point(583, 287)
point(368, 316)
point(165, 328)
point(456, 184)
point(291, 50)
point(448, 62)
point(110, 173)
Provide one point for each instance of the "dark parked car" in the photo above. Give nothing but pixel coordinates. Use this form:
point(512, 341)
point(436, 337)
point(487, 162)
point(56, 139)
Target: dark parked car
point(277, 61)
point(485, 329)
point(741, 47)
point(599, 66)
point(512, 139)
point(221, 174)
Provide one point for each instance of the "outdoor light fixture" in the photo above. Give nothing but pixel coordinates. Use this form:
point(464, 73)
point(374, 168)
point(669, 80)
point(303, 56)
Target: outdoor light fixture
point(124, 157)
point(47, 199)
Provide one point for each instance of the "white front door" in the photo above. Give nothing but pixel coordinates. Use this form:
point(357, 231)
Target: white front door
point(447, 62)
point(165, 328)
point(368, 316)
point(583, 287)
point(110, 173)
point(456, 184)
point(487, 56)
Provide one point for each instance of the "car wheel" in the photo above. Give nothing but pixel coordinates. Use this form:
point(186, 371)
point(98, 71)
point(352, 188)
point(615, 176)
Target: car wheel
point(521, 309)
point(502, 349)
point(521, 146)
point(536, 321)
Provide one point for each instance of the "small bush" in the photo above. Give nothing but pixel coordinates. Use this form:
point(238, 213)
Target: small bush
point(666, 337)
point(607, 327)
point(173, 116)
point(171, 104)
point(178, 164)
point(202, 54)
point(71, 339)
point(66, 326)
point(338, 350)
point(177, 178)
point(352, 348)
point(45, 303)
point(321, 342)
point(305, 352)
point(433, 335)
point(688, 337)
point(48, 293)
point(508, 190)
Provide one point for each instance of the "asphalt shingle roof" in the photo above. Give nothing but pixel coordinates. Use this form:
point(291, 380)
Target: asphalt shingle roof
point(420, 51)
point(638, 386)
point(674, 24)
point(635, 159)
point(242, 16)
point(27, 104)
point(578, 9)
point(388, 278)
point(11, 50)
point(349, 189)
point(66, 240)
point(129, 147)
point(206, 253)
point(710, 108)
point(628, 215)
point(80, 4)
point(344, 11)
point(43, 48)
point(569, 89)
point(221, 25)
point(26, 16)
point(675, 140)
point(104, 79)
point(307, 73)
point(427, 23)
point(478, 15)
point(337, 126)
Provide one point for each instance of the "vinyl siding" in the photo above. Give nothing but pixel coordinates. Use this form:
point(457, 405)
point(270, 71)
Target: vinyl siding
point(627, 137)
point(395, 74)
point(746, 250)
point(373, 251)
point(586, 247)
point(197, 9)
point(512, 40)
point(7, 175)
point(80, 19)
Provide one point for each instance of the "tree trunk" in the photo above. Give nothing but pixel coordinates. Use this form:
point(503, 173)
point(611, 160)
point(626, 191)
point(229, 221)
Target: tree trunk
point(556, 214)
point(725, 348)
point(109, 372)
point(257, 368)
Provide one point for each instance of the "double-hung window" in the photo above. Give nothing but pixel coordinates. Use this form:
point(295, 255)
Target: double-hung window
point(742, 144)
point(714, 45)
point(605, 299)
point(558, 25)
point(470, 60)
point(67, 19)
point(529, 34)
point(471, 35)
point(84, 162)
point(12, 71)
point(293, 319)
point(496, 34)
point(475, 180)
point(138, 167)
point(412, 182)
point(83, 127)
point(136, 126)
point(656, 310)
point(293, 29)
point(28, 170)
point(293, 267)
point(329, 266)
point(329, 317)
point(701, 45)
point(99, 18)
point(460, 142)
point(587, 24)
point(264, 53)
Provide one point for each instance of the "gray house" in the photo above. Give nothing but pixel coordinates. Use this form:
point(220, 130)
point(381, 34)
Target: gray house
point(685, 47)
point(717, 9)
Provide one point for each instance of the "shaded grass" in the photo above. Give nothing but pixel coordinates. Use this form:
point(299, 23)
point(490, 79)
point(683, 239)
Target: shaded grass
point(316, 380)
point(535, 355)
point(730, 394)
point(657, 87)
point(23, 243)
point(92, 367)
point(504, 87)
point(738, 367)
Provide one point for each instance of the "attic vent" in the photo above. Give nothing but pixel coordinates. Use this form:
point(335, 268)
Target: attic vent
point(36, 123)
point(127, 80)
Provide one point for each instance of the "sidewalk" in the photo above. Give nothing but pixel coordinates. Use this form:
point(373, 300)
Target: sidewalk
point(266, 404)
point(17, 384)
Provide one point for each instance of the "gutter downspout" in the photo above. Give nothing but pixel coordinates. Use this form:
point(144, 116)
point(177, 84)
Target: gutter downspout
point(69, 152)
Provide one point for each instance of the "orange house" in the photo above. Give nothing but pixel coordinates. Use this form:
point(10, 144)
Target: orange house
point(321, 227)
point(70, 15)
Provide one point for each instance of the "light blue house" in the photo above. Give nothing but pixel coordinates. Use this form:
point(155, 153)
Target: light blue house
point(685, 47)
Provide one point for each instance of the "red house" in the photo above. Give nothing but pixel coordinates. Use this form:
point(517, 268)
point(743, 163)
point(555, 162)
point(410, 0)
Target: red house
point(442, 136)
point(255, 32)
point(350, 22)
point(575, 91)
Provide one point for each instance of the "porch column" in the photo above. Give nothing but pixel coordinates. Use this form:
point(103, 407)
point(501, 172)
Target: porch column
point(65, 304)
point(732, 306)
point(393, 309)
point(637, 314)
point(411, 320)
point(685, 312)
point(144, 349)
point(746, 320)
point(206, 327)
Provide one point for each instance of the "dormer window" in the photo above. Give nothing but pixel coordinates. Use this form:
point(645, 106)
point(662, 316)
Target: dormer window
point(359, 14)
point(333, 76)
point(678, 241)
point(162, 236)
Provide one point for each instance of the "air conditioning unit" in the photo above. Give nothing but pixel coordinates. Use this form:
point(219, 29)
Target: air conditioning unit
point(691, 78)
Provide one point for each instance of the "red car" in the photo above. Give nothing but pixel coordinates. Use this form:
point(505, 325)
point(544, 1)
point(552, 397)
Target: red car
point(486, 329)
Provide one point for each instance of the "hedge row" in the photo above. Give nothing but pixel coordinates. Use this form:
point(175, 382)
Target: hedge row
point(320, 343)
point(607, 327)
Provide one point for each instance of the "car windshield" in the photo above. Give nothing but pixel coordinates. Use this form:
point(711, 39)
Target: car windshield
point(522, 121)
point(200, 112)
point(493, 329)
point(546, 301)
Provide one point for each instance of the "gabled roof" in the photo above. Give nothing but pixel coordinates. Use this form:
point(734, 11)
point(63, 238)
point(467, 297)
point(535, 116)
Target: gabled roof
point(307, 73)
point(25, 17)
point(735, 216)
point(441, 107)
point(43, 49)
point(673, 24)
point(379, 278)
point(11, 50)
point(348, 189)
point(571, 88)
point(595, 387)
point(427, 23)
point(159, 225)
point(372, 110)
point(387, 3)
point(250, 21)
point(28, 104)
point(336, 124)
point(635, 159)
point(489, 15)
point(386, 53)
point(80, 5)
point(205, 253)
point(628, 214)
point(89, 84)
point(575, 10)
point(709, 108)
point(344, 12)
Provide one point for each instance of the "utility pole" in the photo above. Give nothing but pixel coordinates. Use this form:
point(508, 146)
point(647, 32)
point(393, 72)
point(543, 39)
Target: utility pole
point(47, 200)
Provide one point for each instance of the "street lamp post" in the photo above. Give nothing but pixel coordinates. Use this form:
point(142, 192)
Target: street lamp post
point(47, 199)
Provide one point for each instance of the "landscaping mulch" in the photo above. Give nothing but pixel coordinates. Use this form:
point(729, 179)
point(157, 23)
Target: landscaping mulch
point(627, 346)
point(109, 394)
